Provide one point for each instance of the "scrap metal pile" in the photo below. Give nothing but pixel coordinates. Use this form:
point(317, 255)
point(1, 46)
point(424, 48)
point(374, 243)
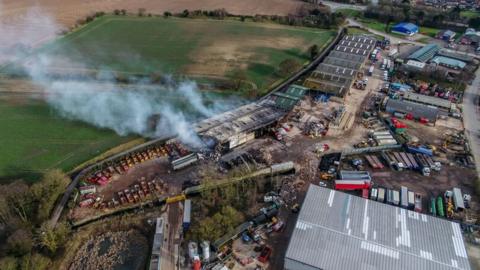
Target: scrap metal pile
point(137, 192)
point(104, 176)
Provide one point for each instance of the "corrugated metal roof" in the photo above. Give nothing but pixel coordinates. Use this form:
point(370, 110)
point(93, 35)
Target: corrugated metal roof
point(449, 62)
point(435, 101)
point(425, 53)
point(336, 230)
point(416, 109)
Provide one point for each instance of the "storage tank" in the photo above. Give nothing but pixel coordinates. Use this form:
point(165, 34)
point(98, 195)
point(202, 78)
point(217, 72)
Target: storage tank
point(433, 208)
point(205, 250)
point(440, 206)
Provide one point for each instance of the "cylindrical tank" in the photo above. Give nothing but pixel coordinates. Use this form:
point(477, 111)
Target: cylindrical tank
point(440, 206)
point(205, 250)
point(192, 250)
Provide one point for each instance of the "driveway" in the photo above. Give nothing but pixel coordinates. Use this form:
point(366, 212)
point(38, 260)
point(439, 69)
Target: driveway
point(334, 6)
point(471, 118)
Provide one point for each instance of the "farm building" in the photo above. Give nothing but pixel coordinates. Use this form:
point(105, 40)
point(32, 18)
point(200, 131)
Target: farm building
point(404, 28)
point(417, 110)
point(470, 38)
point(236, 127)
point(459, 56)
point(415, 65)
point(337, 72)
point(447, 35)
point(335, 230)
point(428, 100)
point(448, 62)
point(425, 53)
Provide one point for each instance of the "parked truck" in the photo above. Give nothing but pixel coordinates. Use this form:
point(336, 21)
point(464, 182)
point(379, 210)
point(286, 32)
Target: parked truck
point(423, 164)
point(381, 195)
point(420, 150)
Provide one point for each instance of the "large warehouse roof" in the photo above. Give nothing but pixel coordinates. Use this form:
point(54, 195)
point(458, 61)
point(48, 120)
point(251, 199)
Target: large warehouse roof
point(425, 53)
point(429, 100)
point(416, 109)
point(336, 230)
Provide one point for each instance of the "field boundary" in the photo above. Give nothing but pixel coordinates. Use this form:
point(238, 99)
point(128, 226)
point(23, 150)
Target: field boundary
point(61, 205)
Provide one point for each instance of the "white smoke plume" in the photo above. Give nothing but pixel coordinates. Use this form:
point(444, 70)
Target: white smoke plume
point(124, 109)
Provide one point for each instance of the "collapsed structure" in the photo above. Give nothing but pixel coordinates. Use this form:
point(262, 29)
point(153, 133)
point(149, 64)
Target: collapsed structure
point(236, 127)
point(364, 234)
point(340, 68)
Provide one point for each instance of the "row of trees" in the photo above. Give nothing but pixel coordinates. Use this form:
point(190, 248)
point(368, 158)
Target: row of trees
point(387, 12)
point(29, 240)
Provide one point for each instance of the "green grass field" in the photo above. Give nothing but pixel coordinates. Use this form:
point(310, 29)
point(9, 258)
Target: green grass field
point(350, 12)
point(197, 47)
point(33, 138)
point(469, 14)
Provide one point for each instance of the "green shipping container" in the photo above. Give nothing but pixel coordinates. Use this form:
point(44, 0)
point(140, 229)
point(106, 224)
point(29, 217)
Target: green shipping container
point(433, 209)
point(399, 130)
point(440, 206)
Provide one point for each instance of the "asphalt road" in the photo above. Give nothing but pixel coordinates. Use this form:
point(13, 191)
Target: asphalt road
point(471, 118)
point(334, 6)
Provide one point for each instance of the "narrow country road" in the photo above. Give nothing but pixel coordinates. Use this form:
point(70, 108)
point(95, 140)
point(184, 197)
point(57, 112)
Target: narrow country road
point(334, 6)
point(471, 118)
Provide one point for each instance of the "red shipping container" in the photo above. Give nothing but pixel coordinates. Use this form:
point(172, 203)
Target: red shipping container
point(365, 193)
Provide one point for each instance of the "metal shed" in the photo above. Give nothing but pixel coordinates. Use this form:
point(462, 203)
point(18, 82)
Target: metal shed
point(416, 109)
point(335, 230)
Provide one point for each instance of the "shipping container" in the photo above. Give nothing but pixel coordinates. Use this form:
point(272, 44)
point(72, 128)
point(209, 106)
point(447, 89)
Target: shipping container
point(411, 200)
point(458, 199)
point(418, 203)
point(404, 197)
point(413, 161)
point(351, 184)
point(396, 197)
point(354, 175)
point(387, 142)
point(378, 162)
point(433, 206)
point(381, 195)
point(419, 150)
point(365, 193)
point(389, 196)
point(187, 209)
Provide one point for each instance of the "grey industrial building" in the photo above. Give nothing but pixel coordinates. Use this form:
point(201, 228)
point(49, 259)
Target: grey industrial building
point(236, 127)
point(339, 69)
point(416, 109)
point(335, 230)
point(428, 100)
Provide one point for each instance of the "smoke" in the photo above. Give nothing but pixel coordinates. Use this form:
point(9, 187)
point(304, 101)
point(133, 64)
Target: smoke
point(100, 101)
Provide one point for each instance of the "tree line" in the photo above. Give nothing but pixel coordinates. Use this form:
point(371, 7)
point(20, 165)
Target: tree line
point(28, 241)
point(388, 12)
